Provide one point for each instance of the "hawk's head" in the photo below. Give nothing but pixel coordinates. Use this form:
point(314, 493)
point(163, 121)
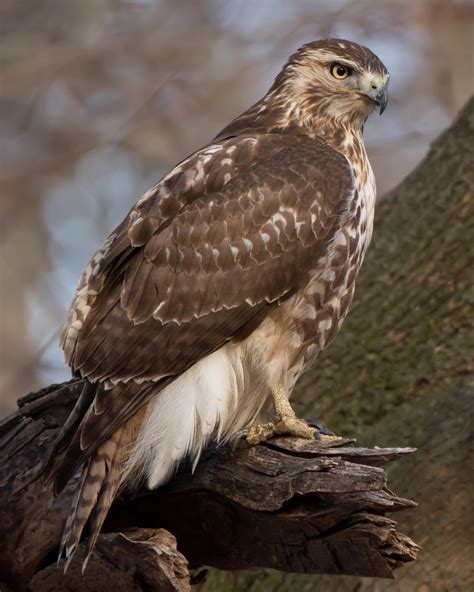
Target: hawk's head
point(336, 78)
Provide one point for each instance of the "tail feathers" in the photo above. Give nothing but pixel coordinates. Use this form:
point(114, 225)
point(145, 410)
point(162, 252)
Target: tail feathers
point(95, 492)
point(69, 430)
point(106, 497)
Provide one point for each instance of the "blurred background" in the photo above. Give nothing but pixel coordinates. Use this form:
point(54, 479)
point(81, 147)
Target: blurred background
point(99, 98)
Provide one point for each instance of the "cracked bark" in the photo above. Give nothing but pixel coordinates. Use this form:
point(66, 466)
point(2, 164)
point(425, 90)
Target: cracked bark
point(292, 505)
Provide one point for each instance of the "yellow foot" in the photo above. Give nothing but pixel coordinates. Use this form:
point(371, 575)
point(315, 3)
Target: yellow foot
point(328, 438)
point(285, 422)
point(260, 433)
point(290, 426)
point(294, 427)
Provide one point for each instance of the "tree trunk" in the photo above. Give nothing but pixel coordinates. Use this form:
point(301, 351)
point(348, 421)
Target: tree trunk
point(401, 372)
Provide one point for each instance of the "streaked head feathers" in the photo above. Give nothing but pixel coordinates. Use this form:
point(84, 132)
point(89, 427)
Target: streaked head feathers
point(334, 77)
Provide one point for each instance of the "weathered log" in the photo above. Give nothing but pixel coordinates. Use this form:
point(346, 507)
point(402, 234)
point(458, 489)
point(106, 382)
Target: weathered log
point(143, 559)
point(292, 505)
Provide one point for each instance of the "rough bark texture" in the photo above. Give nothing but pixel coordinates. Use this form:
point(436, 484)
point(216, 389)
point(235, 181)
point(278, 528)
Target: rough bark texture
point(292, 505)
point(136, 561)
point(401, 371)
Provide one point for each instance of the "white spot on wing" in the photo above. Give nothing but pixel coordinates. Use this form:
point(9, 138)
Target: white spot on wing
point(277, 217)
point(213, 149)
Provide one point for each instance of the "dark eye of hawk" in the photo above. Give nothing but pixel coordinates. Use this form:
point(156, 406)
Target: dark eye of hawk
point(340, 71)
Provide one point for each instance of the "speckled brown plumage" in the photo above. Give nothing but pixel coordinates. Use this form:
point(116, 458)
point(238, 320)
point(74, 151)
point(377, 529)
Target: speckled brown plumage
point(227, 277)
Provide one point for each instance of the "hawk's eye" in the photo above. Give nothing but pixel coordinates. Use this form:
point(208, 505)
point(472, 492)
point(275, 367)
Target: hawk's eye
point(340, 72)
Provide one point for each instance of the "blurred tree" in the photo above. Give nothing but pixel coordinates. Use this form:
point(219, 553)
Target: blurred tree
point(28, 235)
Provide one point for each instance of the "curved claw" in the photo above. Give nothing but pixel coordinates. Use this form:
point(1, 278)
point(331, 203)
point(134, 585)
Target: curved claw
point(321, 428)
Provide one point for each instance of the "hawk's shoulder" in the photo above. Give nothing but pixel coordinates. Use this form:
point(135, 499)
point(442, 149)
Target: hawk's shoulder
point(201, 257)
point(203, 172)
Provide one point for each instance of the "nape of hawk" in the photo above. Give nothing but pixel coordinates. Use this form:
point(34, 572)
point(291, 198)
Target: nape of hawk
point(222, 284)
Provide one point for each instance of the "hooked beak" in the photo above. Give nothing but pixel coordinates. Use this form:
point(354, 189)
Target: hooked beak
point(380, 96)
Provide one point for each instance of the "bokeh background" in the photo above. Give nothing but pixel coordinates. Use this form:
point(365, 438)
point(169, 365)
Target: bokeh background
point(99, 98)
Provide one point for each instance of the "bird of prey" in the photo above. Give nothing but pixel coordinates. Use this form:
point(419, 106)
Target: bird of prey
point(222, 284)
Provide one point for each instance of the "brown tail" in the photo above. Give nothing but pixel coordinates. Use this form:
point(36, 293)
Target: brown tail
point(95, 492)
point(67, 434)
point(97, 486)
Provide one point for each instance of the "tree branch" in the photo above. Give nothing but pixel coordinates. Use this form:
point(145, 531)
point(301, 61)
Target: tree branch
point(291, 505)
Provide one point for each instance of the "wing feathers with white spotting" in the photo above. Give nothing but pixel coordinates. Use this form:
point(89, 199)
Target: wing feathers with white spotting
point(249, 244)
point(205, 274)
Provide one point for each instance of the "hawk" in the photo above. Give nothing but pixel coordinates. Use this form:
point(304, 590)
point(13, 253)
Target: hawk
point(222, 284)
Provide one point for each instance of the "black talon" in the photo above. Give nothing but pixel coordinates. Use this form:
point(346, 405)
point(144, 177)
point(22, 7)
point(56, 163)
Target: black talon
point(322, 429)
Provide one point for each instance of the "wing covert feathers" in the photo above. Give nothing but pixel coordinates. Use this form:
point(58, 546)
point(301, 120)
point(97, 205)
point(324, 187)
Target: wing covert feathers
point(204, 273)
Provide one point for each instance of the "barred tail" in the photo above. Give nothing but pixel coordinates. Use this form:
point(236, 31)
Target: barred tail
point(95, 440)
point(95, 492)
